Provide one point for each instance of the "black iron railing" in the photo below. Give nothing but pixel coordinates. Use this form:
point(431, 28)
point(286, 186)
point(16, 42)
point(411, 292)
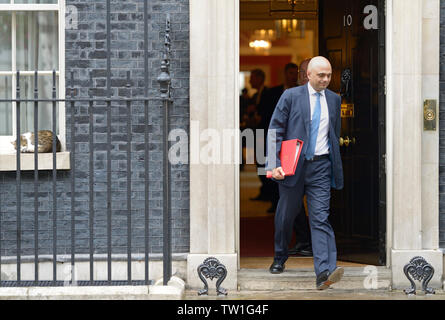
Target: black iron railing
point(70, 105)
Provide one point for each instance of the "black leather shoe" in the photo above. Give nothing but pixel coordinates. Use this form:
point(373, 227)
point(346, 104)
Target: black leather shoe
point(292, 251)
point(276, 267)
point(325, 279)
point(301, 248)
point(306, 252)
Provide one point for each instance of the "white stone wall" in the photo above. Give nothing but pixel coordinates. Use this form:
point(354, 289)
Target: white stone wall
point(413, 76)
point(214, 187)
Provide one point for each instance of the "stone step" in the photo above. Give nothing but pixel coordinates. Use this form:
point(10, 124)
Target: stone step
point(303, 279)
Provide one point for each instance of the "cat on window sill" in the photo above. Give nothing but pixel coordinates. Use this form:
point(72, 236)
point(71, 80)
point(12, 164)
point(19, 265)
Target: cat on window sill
point(45, 142)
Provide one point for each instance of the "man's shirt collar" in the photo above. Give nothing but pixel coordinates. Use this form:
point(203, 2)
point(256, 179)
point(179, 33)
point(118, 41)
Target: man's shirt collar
point(312, 90)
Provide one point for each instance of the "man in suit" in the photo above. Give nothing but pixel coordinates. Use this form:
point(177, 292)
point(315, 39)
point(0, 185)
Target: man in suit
point(303, 244)
point(273, 95)
point(290, 80)
point(260, 100)
point(310, 113)
point(293, 76)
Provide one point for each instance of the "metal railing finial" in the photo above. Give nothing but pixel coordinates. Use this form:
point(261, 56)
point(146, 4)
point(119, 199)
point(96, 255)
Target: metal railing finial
point(164, 78)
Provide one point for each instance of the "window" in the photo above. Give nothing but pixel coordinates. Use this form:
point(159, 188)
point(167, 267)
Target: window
point(32, 38)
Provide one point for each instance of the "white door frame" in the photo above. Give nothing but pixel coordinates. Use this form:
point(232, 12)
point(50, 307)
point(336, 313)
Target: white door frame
point(412, 62)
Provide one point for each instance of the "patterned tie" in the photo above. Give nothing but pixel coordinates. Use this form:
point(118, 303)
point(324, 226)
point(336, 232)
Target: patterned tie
point(315, 123)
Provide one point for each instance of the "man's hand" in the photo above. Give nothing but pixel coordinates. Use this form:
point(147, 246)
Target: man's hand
point(278, 173)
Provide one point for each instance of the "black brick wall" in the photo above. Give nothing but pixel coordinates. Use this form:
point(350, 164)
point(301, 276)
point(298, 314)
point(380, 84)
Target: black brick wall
point(442, 128)
point(86, 52)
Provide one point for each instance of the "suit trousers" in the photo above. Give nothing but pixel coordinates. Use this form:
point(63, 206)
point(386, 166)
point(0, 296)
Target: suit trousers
point(301, 227)
point(315, 182)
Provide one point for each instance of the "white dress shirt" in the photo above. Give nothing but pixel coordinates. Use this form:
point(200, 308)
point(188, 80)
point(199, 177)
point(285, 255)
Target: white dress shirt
point(322, 145)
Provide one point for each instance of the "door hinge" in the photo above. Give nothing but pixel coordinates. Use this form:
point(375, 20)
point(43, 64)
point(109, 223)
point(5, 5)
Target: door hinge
point(384, 84)
point(384, 162)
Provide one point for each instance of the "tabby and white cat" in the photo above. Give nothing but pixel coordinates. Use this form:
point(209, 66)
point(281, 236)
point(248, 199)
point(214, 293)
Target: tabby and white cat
point(45, 140)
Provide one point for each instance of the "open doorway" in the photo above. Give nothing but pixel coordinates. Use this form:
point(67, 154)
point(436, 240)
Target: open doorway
point(274, 34)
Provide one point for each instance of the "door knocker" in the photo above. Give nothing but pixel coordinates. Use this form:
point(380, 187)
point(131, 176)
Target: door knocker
point(346, 83)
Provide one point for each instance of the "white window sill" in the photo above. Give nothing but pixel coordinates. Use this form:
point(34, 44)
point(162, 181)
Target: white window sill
point(8, 161)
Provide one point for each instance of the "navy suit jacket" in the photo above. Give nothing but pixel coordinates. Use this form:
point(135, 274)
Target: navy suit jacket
point(292, 120)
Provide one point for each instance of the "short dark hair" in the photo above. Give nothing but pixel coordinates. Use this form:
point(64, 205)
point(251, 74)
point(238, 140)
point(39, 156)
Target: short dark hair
point(290, 65)
point(259, 73)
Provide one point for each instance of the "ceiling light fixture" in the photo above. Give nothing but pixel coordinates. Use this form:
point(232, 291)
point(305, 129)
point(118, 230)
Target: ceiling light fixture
point(262, 39)
point(260, 44)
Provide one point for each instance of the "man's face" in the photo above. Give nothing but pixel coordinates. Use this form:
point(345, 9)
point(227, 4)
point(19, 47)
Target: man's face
point(291, 76)
point(320, 76)
point(255, 81)
point(302, 74)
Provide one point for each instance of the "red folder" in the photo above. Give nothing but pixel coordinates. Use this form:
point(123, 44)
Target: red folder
point(289, 155)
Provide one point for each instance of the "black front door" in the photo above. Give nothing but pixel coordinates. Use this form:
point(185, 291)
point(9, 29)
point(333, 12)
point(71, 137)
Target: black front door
point(349, 38)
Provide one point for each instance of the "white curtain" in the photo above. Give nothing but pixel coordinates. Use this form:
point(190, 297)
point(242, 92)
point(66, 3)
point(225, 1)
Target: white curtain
point(5, 108)
point(37, 49)
point(5, 81)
